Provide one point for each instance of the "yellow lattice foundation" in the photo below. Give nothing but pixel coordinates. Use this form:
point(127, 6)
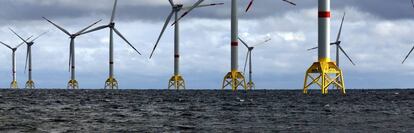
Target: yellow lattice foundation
point(13, 85)
point(324, 74)
point(111, 83)
point(30, 84)
point(73, 84)
point(234, 79)
point(176, 81)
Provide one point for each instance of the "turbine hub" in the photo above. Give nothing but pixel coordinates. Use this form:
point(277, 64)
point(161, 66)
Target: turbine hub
point(112, 25)
point(177, 7)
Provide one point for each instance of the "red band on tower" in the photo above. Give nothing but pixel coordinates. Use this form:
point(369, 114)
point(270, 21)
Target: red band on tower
point(234, 43)
point(324, 14)
point(177, 56)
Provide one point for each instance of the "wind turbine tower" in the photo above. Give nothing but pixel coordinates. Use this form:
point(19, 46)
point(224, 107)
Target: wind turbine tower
point(177, 80)
point(14, 84)
point(30, 84)
point(234, 78)
point(111, 82)
point(73, 83)
point(324, 73)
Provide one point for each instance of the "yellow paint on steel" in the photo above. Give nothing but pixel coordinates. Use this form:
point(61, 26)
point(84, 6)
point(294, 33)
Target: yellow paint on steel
point(73, 84)
point(176, 81)
point(324, 74)
point(324, 60)
point(14, 85)
point(30, 84)
point(235, 79)
point(111, 83)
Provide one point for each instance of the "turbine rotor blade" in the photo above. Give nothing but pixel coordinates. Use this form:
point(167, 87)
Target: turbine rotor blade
point(412, 2)
point(343, 51)
point(113, 11)
point(162, 32)
point(290, 2)
point(189, 10)
point(340, 29)
point(261, 43)
point(88, 27)
point(20, 45)
point(409, 53)
point(249, 6)
point(245, 44)
point(18, 35)
point(96, 29)
point(120, 35)
point(205, 5)
point(313, 48)
point(334, 43)
point(39, 36)
point(171, 2)
point(6, 45)
point(57, 26)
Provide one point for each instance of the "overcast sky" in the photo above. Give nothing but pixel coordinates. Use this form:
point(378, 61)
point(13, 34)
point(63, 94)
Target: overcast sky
point(377, 35)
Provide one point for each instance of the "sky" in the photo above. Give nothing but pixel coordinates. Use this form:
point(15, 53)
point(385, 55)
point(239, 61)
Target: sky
point(376, 35)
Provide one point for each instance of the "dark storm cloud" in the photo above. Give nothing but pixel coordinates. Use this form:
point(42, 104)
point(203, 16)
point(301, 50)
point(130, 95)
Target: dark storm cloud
point(129, 10)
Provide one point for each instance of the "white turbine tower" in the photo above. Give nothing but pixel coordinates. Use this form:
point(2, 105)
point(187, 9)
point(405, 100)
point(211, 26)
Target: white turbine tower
point(250, 84)
point(30, 84)
point(14, 84)
point(111, 82)
point(324, 72)
point(73, 83)
point(177, 81)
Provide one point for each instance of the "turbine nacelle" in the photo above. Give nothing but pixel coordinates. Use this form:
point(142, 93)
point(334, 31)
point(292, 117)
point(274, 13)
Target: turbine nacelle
point(251, 48)
point(111, 25)
point(177, 7)
point(30, 43)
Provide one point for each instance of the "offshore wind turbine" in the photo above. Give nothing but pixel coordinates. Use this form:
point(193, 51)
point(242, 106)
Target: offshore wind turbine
point(73, 83)
point(324, 72)
point(177, 81)
point(235, 78)
point(14, 84)
point(250, 84)
point(30, 84)
point(339, 48)
point(111, 82)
